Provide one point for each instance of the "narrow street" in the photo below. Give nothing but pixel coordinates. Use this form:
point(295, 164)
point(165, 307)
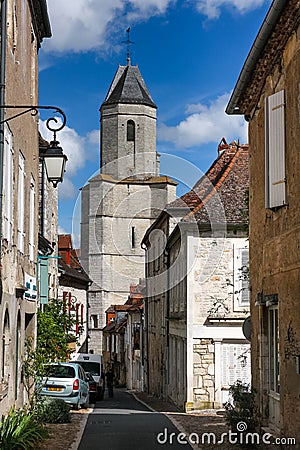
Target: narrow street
point(124, 423)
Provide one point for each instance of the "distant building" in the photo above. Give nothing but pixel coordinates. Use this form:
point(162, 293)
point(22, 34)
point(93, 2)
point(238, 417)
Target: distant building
point(123, 340)
point(113, 342)
point(23, 26)
point(120, 203)
point(73, 288)
point(134, 338)
point(267, 93)
point(197, 295)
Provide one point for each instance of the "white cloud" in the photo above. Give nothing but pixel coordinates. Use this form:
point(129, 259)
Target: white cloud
point(72, 144)
point(205, 124)
point(79, 25)
point(61, 230)
point(82, 25)
point(94, 137)
point(66, 189)
point(144, 9)
point(212, 8)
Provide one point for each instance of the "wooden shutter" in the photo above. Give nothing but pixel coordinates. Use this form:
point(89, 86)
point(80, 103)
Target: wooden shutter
point(275, 150)
point(241, 277)
point(31, 219)
point(43, 280)
point(236, 364)
point(245, 298)
point(8, 186)
point(21, 199)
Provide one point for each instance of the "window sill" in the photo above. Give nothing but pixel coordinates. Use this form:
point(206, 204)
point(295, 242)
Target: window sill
point(274, 395)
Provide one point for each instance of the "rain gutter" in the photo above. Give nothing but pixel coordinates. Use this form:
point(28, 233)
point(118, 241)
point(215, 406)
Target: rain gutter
point(258, 46)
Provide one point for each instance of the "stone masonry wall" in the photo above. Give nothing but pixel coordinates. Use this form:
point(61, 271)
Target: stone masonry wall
point(274, 249)
point(204, 370)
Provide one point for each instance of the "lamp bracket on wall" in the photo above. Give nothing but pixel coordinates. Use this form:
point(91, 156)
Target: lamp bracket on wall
point(34, 110)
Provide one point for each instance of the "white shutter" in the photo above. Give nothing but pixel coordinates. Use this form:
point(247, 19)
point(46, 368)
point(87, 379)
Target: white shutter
point(241, 277)
point(31, 219)
point(21, 198)
point(245, 297)
point(8, 186)
point(275, 150)
point(235, 364)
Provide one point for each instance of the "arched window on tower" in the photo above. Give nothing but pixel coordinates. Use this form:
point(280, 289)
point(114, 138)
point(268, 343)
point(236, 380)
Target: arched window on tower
point(130, 130)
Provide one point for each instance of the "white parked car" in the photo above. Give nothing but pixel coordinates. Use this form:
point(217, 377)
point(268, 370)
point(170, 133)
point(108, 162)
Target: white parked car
point(66, 381)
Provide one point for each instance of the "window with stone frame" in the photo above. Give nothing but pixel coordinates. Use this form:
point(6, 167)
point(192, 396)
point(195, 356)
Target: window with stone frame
point(133, 238)
point(130, 131)
point(94, 321)
point(274, 380)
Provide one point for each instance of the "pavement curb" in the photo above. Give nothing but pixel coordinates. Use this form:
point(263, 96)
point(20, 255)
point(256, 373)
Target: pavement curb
point(141, 401)
point(79, 433)
point(169, 416)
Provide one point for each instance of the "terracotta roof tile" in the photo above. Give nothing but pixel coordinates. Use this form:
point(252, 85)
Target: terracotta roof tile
point(220, 193)
point(69, 261)
point(64, 241)
point(115, 308)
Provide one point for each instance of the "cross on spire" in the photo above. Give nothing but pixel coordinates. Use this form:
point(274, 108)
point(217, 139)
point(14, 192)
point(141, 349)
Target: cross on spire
point(128, 42)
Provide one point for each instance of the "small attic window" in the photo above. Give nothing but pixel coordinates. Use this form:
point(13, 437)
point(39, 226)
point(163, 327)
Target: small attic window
point(130, 130)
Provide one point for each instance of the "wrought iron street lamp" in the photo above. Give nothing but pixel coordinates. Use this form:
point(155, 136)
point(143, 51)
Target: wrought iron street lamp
point(52, 156)
point(54, 162)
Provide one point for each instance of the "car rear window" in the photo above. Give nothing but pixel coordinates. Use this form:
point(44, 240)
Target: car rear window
point(61, 372)
point(88, 366)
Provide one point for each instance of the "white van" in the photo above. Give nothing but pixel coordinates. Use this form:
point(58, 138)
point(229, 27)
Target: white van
point(91, 363)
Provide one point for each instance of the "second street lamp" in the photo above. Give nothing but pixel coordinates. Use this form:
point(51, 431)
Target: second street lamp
point(54, 161)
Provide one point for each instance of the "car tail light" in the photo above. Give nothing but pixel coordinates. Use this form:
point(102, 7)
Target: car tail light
point(92, 387)
point(75, 385)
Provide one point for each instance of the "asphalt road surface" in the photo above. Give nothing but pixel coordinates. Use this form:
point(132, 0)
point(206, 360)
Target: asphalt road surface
point(123, 423)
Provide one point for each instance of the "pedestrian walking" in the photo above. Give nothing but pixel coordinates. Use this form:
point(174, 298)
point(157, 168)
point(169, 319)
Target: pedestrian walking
point(110, 382)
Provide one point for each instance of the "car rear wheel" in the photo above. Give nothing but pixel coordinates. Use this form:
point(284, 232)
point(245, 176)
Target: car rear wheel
point(77, 406)
point(87, 402)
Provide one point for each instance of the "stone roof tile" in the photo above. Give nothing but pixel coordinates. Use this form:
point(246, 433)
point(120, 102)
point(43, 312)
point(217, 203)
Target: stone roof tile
point(128, 86)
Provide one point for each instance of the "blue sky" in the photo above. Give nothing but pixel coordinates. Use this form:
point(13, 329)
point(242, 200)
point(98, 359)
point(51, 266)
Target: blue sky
point(190, 53)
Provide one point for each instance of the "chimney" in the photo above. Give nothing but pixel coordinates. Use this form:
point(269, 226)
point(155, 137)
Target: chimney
point(222, 146)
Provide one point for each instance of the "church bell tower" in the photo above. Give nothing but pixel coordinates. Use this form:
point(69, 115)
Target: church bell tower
point(121, 202)
point(128, 127)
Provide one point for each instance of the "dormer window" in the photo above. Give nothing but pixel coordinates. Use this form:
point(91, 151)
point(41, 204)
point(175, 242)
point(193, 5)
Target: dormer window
point(130, 131)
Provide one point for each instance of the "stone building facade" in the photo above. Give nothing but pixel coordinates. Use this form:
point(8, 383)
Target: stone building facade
point(133, 339)
point(72, 290)
point(24, 24)
point(269, 99)
point(197, 300)
point(120, 203)
point(123, 340)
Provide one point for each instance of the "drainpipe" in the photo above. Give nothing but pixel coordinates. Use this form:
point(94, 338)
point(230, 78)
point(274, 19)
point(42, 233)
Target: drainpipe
point(2, 102)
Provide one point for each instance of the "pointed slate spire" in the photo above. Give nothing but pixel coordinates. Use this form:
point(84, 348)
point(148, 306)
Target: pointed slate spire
point(128, 87)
